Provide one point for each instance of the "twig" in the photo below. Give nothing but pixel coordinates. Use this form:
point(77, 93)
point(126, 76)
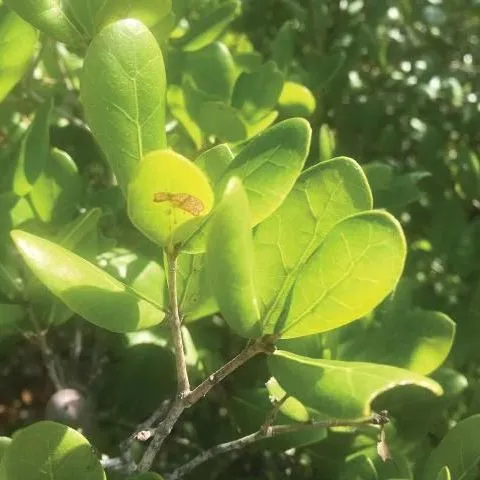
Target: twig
point(375, 419)
point(175, 322)
point(185, 397)
point(145, 430)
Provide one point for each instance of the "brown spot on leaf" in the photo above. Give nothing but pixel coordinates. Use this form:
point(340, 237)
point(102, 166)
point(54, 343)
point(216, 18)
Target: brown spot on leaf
point(185, 201)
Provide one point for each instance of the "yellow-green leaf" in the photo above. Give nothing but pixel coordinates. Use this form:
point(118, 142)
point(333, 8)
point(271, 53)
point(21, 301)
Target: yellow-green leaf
point(168, 197)
point(18, 40)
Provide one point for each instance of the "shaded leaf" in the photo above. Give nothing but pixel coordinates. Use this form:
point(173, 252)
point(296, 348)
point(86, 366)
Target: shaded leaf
point(400, 335)
point(57, 190)
point(208, 27)
point(256, 93)
point(34, 151)
point(339, 389)
point(212, 70)
point(459, 451)
point(194, 293)
point(214, 162)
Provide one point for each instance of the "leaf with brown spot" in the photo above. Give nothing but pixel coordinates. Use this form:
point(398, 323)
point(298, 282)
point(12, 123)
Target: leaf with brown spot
point(185, 201)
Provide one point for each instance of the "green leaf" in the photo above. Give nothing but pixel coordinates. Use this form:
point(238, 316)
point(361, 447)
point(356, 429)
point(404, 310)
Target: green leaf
point(444, 474)
point(19, 40)
point(256, 93)
point(10, 317)
point(230, 262)
point(84, 288)
point(326, 143)
point(144, 276)
point(283, 46)
point(270, 164)
point(57, 190)
point(4, 444)
point(123, 90)
point(400, 335)
point(146, 476)
point(51, 451)
point(140, 364)
point(178, 108)
point(268, 168)
point(212, 70)
point(328, 68)
point(250, 408)
point(78, 21)
point(357, 265)
point(15, 211)
point(322, 196)
point(391, 189)
point(208, 27)
point(214, 162)
point(297, 100)
point(219, 119)
point(194, 293)
point(34, 151)
point(459, 451)
point(168, 197)
point(339, 389)
point(72, 234)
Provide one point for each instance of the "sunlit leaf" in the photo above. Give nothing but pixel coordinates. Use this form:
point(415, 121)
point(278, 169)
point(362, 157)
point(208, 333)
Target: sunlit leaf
point(18, 39)
point(168, 197)
point(296, 100)
point(357, 265)
point(123, 90)
point(77, 22)
point(84, 288)
point(51, 451)
point(322, 196)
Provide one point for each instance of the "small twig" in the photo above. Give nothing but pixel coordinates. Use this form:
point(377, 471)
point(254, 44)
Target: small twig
point(240, 443)
point(145, 430)
point(262, 345)
point(272, 415)
point(54, 370)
